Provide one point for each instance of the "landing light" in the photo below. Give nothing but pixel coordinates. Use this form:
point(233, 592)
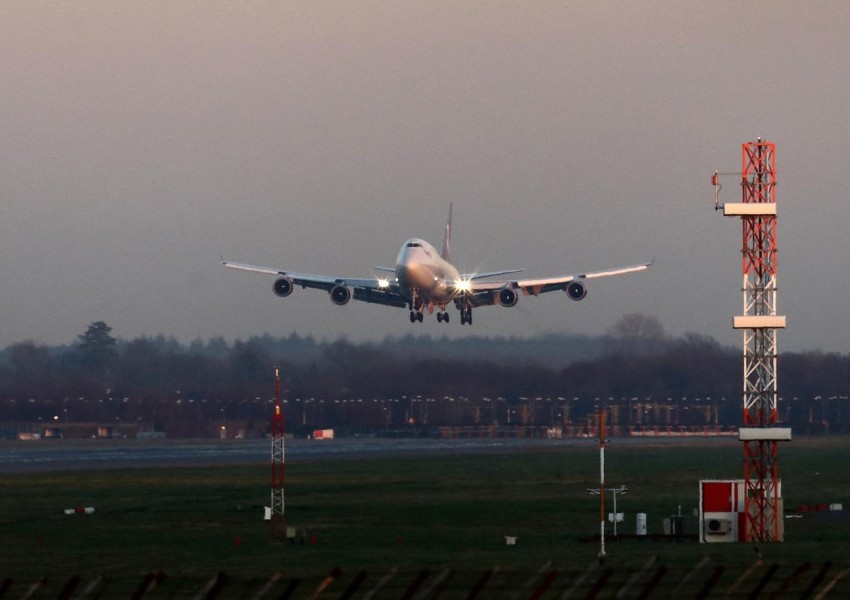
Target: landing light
point(463, 285)
point(383, 283)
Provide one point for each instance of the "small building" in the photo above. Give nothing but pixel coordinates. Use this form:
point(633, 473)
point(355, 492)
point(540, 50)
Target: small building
point(323, 434)
point(722, 511)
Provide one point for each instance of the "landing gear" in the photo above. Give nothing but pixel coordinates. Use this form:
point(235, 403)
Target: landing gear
point(442, 317)
point(416, 306)
point(466, 315)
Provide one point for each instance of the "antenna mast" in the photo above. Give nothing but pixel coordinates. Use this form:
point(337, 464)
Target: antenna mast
point(277, 522)
point(759, 323)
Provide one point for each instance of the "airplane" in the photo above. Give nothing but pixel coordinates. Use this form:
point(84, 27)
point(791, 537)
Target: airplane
point(425, 280)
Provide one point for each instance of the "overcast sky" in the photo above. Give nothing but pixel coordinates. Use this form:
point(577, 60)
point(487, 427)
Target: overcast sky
point(139, 140)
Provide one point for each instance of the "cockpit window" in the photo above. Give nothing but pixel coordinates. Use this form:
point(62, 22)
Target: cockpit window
point(414, 245)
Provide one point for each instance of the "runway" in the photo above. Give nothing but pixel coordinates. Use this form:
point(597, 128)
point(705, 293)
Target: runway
point(69, 455)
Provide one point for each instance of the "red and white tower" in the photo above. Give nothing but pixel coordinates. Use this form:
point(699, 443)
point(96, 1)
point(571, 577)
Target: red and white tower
point(277, 522)
point(759, 323)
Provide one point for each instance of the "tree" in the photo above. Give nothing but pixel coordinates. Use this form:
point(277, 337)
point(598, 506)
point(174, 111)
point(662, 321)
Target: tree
point(30, 370)
point(638, 326)
point(97, 346)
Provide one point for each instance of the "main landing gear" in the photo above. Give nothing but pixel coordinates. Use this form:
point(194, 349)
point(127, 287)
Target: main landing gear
point(416, 308)
point(417, 311)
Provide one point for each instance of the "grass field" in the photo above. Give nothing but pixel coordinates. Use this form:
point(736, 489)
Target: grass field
point(438, 512)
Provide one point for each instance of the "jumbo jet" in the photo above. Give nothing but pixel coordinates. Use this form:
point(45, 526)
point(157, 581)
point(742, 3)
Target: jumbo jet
point(425, 280)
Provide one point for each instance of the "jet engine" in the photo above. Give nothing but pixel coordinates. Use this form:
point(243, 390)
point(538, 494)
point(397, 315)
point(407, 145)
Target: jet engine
point(340, 295)
point(506, 297)
point(576, 290)
point(283, 287)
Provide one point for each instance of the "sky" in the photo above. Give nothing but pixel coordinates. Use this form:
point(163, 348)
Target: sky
point(141, 141)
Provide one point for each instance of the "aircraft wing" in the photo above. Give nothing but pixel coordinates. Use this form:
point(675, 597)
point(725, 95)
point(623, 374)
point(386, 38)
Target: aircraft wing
point(373, 289)
point(474, 276)
point(482, 291)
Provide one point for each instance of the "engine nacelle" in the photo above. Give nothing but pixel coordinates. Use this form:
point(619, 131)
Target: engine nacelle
point(283, 287)
point(340, 295)
point(576, 290)
point(507, 297)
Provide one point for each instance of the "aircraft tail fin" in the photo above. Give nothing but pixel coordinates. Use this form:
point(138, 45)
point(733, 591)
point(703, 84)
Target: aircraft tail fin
point(446, 252)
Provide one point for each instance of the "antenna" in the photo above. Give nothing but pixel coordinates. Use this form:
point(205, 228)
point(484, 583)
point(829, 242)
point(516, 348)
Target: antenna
point(277, 521)
point(759, 323)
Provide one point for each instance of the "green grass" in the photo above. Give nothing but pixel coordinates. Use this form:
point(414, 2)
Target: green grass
point(447, 511)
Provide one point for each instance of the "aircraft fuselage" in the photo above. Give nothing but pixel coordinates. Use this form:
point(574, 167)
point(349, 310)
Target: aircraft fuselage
point(423, 274)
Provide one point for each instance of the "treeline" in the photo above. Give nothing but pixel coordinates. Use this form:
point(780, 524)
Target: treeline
point(103, 378)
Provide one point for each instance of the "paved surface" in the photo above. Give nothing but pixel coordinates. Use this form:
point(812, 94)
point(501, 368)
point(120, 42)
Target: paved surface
point(65, 455)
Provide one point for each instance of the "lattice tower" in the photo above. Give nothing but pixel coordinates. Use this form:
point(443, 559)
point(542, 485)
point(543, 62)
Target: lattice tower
point(759, 323)
point(277, 523)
